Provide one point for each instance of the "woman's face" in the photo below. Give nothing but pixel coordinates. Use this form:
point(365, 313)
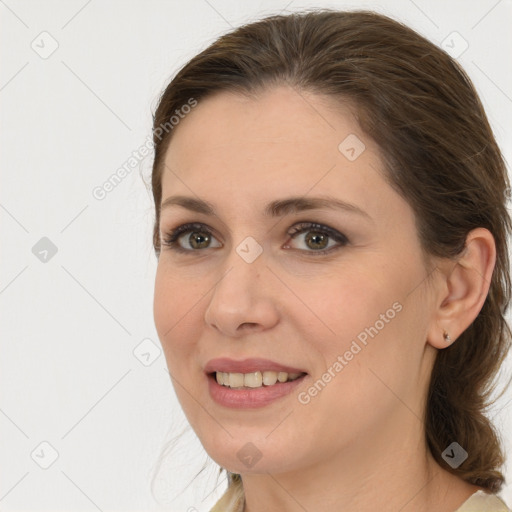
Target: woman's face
point(251, 282)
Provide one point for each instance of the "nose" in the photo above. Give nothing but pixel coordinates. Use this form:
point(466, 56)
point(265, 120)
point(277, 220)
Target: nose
point(243, 300)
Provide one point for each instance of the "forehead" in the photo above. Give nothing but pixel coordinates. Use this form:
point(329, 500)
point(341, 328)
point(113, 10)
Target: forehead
point(281, 142)
point(286, 122)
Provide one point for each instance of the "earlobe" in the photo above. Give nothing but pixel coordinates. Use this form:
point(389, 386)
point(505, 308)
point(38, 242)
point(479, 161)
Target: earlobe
point(463, 289)
point(440, 338)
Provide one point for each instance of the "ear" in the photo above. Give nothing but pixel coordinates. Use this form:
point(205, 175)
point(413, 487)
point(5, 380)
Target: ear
point(463, 288)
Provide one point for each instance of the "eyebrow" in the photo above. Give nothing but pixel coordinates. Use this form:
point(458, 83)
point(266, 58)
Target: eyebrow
point(276, 208)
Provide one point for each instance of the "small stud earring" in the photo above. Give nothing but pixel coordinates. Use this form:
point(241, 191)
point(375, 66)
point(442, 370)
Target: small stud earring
point(446, 336)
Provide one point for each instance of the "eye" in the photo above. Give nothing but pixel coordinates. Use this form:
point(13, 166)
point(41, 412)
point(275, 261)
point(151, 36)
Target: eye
point(317, 237)
point(199, 237)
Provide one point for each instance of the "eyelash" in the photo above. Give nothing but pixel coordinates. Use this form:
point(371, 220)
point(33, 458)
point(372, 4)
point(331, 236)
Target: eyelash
point(170, 239)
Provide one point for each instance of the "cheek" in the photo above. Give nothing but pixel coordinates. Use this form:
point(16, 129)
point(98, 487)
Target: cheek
point(357, 365)
point(340, 305)
point(359, 324)
point(173, 310)
point(177, 304)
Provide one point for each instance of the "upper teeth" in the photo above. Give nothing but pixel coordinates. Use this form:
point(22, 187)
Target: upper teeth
point(254, 379)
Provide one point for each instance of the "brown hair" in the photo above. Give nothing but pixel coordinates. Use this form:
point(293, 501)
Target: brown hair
point(422, 110)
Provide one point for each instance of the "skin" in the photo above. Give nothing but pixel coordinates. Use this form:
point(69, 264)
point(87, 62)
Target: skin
point(358, 445)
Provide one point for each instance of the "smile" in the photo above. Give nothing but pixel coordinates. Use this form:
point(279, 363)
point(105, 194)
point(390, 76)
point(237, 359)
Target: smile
point(247, 397)
point(254, 379)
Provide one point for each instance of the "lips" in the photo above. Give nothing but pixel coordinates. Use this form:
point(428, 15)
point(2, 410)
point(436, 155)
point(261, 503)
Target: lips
point(250, 397)
point(227, 365)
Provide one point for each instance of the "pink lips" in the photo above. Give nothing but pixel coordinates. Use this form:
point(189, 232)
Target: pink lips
point(254, 364)
point(249, 398)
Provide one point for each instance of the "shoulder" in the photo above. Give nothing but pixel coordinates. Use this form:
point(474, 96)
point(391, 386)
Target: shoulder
point(483, 502)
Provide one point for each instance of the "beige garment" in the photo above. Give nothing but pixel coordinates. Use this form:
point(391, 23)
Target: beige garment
point(232, 501)
point(483, 502)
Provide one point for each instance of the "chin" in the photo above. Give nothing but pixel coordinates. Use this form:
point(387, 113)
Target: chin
point(245, 457)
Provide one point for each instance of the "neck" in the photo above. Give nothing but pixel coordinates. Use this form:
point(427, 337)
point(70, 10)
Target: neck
point(385, 472)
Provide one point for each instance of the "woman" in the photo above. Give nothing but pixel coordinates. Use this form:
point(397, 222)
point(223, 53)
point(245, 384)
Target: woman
point(331, 231)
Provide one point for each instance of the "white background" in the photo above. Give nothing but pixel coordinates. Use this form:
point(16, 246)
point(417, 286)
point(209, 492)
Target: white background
point(69, 376)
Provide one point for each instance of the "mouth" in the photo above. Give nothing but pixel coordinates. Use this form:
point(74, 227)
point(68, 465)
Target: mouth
point(264, 388)
point(251, 383)
point(254, 380)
